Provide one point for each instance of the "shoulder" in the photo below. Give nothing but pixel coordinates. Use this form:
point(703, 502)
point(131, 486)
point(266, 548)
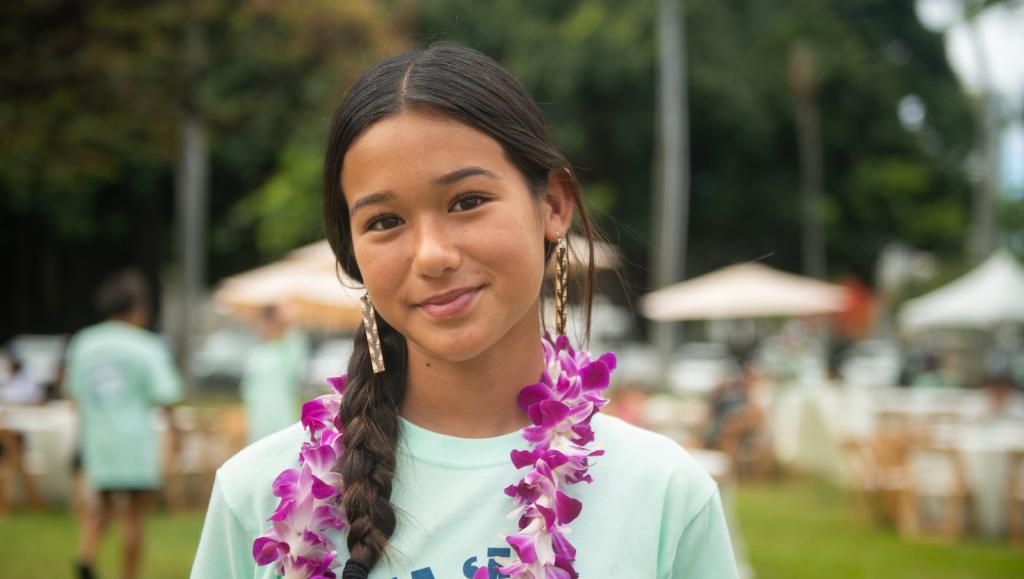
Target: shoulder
point(246, 479)
point(151, 341)
point(644, 459)
point(124, 336)
point(85, 340)
point(84, 336)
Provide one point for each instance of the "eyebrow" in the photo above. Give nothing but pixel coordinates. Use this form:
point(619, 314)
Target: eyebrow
point(443, 180)
point(370, 199)
point(455, 176)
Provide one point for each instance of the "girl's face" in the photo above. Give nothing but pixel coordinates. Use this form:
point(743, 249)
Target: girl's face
point(447, 235)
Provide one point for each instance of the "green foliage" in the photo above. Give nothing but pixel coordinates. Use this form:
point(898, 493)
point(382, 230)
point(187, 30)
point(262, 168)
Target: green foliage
point(1010, 215)
point(85, 108)
point(286, 210)
point(94, 95)
point(591, 66)
point(275, 72)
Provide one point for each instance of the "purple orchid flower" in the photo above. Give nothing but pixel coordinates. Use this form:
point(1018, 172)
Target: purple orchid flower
point(310, 498)
point(560, 406)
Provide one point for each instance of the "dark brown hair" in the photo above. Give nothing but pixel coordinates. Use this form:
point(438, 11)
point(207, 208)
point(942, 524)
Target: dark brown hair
point(469, 87)
point(121, 293)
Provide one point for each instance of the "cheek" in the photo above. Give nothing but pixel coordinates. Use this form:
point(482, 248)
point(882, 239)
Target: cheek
point(382, 266)
point(515, 250)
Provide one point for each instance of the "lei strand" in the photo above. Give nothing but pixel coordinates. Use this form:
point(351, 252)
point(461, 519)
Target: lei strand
point(560, 407)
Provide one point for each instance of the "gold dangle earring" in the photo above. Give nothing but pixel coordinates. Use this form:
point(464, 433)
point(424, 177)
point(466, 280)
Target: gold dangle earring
point(372, 337)
point(561, 286)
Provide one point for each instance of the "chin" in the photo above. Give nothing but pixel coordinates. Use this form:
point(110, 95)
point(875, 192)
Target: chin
point(456, 348)
point(455, 345)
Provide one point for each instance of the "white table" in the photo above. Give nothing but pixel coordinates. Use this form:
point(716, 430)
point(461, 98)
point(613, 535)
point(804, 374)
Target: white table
point(985, 449)
point(50, 433)
point(807, 425)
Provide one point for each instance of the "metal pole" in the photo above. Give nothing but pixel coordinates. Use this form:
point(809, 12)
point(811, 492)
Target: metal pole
point(983, 222)
point(672, 206)
point(803, 78)
point(812, 165)
point(191, 192)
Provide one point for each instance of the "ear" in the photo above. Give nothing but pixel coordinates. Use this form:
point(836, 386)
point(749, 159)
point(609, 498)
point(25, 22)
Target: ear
point(558, 204)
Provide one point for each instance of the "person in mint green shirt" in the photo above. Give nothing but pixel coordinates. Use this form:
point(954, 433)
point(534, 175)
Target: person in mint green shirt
point(117, 372)
point(274, 371)
point(445, 197)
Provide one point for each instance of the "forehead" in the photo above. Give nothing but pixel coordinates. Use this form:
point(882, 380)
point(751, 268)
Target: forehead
point(408, 150)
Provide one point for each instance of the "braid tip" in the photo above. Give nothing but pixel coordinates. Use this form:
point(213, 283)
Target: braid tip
point(355, 570)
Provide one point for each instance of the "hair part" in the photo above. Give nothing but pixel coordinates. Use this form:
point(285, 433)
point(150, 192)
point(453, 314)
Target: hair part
point(461, 84)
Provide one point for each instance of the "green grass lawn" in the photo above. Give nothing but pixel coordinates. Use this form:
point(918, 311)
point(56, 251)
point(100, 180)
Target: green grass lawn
point(42, 546)
point(793, 530)
point(805, 530)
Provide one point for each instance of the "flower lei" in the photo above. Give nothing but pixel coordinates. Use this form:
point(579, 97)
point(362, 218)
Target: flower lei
point(560, 407)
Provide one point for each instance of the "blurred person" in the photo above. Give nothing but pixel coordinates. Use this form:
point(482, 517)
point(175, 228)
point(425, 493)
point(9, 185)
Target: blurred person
point(446, 198)
point(1006, 401)
point(954, 369)
point(931, 373)
point(117, 372)
point(21, 389)
point(274, 371)
point(728, 399)
point(786, 365)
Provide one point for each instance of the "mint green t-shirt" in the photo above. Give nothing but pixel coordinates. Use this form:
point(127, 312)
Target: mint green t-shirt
point(270, 384)
point(651, 512)
point(117, 373)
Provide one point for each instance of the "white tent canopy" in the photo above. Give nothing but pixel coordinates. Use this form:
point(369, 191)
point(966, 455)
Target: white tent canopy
point(747, 290)
point(988, 295)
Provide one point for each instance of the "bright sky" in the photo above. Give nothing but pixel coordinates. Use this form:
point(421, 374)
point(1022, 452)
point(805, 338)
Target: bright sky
point(1002, 36)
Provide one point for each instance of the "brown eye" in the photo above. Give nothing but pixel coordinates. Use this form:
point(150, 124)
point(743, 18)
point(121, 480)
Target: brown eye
point(468, 201)
point(383, 222)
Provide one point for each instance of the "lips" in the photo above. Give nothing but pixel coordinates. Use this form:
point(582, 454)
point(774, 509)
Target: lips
point(450, 303)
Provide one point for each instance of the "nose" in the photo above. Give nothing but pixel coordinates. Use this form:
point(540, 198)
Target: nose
point(435, 253)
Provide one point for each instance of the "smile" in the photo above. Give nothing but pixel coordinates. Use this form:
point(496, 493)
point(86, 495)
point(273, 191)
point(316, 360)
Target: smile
point(450, 304)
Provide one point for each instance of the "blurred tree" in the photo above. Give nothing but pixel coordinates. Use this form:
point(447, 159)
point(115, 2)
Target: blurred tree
point(590, 64)
point(93, 96)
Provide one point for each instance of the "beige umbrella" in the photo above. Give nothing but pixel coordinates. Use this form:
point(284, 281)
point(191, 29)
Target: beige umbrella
point(304, 283)
point(606, 256)
point(320, 300)
point(748, 290)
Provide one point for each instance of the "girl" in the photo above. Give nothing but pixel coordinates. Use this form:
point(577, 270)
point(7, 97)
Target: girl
point(442, 454)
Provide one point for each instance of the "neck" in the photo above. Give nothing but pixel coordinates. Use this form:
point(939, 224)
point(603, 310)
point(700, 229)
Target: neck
point(132, 319)
point(475, 398)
